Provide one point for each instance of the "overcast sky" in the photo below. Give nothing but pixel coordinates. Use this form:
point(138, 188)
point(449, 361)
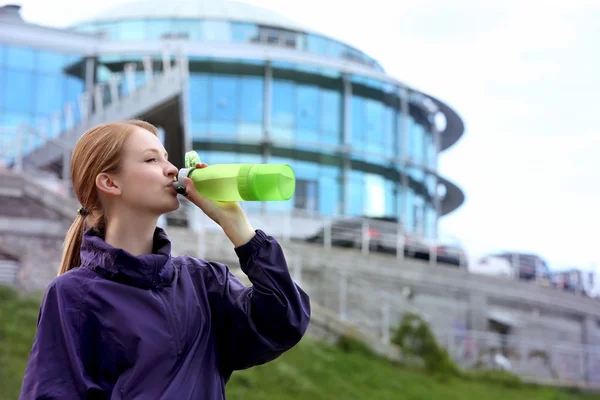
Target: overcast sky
point(522, 74)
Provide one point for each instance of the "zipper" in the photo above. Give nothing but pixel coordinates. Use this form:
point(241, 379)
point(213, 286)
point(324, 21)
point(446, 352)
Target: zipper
point(168, 311)
point(171, 321)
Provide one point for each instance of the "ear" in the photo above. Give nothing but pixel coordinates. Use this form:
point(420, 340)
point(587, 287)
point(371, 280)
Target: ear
point(108, 185)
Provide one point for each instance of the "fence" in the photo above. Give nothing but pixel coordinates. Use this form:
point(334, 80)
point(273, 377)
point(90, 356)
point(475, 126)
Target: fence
point(534, 359)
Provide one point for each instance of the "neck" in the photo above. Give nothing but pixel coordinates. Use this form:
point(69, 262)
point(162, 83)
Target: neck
point(132, 234)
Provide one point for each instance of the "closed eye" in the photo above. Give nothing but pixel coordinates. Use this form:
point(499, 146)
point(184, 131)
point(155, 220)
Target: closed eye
point(151, 160)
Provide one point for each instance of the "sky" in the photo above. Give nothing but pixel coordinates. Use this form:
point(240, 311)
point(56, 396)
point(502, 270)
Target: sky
point(523, 75)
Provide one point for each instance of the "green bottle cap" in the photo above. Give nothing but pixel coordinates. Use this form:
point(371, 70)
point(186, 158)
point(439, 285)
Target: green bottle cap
point(191, 159)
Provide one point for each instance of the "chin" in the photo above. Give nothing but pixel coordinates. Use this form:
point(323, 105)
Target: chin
point(168, 207)
point(174, 206)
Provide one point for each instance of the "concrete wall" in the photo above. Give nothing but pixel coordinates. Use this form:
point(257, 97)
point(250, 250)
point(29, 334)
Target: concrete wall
point(445, 295)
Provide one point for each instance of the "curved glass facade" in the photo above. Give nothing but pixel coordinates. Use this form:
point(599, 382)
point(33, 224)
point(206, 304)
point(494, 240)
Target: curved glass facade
point(236, 108)
point(34, 85)
point(357, 145)
point(216, 31)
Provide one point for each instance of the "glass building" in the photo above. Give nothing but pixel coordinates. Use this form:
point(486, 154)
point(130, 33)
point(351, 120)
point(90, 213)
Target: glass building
point(260, 88)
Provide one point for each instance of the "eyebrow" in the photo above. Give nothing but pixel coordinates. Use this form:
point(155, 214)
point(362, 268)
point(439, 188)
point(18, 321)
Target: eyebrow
point(157, 152)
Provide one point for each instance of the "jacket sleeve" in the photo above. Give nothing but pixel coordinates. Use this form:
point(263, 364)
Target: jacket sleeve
point(57, 363)
point(257, 324)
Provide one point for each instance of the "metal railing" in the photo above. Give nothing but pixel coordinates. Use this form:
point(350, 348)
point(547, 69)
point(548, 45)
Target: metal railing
point(41, 145)
point(369, 236)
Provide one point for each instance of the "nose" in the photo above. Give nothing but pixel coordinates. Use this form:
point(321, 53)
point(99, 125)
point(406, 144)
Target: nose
point(171, 171)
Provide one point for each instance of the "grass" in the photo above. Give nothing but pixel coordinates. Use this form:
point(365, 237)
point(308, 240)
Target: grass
point(18, 319)
point(312, 370)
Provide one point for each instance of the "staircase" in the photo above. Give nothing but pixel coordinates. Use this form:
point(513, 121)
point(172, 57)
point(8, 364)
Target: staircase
point(158, 90)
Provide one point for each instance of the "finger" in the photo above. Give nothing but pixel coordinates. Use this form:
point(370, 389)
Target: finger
point(201, 165)
point(193, 194)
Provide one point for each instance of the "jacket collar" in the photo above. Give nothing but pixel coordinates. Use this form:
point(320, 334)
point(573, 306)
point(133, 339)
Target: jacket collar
point(144, 271)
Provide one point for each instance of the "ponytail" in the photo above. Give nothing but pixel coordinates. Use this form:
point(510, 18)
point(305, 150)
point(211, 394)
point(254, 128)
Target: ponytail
point(97, 151)
point(71, 257)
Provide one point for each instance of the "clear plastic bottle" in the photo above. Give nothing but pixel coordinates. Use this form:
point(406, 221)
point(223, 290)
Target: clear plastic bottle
point(239, 182)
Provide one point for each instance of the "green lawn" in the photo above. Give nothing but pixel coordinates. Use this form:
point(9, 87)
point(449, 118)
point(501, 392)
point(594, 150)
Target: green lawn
point(312, 370)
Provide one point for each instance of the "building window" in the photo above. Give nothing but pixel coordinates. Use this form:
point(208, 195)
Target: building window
point(306, 196)
point(277, 36)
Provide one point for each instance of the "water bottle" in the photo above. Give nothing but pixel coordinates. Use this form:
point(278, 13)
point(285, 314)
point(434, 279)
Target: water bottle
point(238, 182)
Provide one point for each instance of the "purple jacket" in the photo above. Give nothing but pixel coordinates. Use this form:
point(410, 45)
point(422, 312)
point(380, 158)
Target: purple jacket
point(161, 327)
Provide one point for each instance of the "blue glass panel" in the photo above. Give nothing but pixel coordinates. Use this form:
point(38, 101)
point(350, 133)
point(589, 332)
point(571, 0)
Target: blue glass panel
point(358, 119)
point(356, 188)
point(399, 134)
point(215, 31)
point(158, 28)
point(198, 87)
point(250, 158)
point(307, 138)
point(199, 129)
point(374, 116)
point(335, 49)
point(132, 30)
point(49, 61)
point(49, 96)
point(306, 170)
point(242, 32)
point(329, 195)
point(20, 57)
point(329, 141)
point(110, 30)
point(388, 128)
point(430, 151)
point(417, 143)
point(329, 171)
point(222, 129)
point(283, 103)
point(223, 97)
point(19, 91)
point(307, 107)
point(390, 198)
point(331, 112)
point(316, 44)
point(74, 89)
point(409, 213)
point(186, 29)
point(2, 85)
point(251, 99)
point(10, 122)
point(249, 132)
point(419, 211)
point(282, 135)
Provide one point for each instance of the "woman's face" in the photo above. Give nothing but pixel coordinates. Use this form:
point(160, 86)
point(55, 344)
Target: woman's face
point(145, 178)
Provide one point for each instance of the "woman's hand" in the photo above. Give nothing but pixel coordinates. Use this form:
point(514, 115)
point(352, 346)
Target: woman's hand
point(228, 215)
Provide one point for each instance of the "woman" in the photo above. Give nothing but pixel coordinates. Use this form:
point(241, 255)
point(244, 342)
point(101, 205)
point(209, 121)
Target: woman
point(124, 319)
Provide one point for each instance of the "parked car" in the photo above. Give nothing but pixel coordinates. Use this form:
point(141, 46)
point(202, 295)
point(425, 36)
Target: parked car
point(381, 234)
point(527, 267)
point(492, 266)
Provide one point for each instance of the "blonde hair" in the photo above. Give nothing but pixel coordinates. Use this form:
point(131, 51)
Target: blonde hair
point(97, 151)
